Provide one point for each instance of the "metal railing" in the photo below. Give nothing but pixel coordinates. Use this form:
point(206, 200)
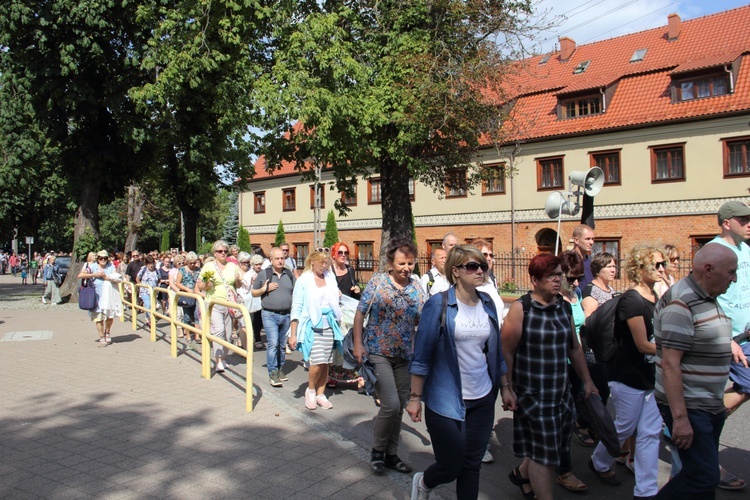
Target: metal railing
point(206, 308)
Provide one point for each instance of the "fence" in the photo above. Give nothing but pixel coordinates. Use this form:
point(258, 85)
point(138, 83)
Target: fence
point(512, 270)
point(204, 330)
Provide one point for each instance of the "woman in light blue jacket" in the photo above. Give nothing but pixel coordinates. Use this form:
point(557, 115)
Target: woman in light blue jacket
point(315, 329)
point(457, 371)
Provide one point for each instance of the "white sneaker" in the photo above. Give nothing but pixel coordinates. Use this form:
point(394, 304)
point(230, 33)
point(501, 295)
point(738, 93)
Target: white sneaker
point(487, 458)
point(418, 490)
point(44, 301)
point(287, 350)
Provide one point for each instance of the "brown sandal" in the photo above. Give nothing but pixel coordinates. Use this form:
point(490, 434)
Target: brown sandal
point(571, 483)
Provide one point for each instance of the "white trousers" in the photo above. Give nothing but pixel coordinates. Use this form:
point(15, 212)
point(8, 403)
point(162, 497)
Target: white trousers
point(635, 413)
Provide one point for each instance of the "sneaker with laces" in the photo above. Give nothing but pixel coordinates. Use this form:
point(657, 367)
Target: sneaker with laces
point(310, 401)
point(418, 490)
point(274, 379)
point(323, 402)
point(487, 458)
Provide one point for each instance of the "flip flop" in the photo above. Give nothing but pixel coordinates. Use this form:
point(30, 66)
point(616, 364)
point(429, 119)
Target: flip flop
point(731, 481)
point(584, 437)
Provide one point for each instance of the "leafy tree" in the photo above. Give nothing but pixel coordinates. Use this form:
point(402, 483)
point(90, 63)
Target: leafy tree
point(211, 220)
point(232, 221)
point(73, 63)
point(332, 232)
point(243, 240)
point(164, 246)
point(205, 57)
point(390, 88)
point(280, 236)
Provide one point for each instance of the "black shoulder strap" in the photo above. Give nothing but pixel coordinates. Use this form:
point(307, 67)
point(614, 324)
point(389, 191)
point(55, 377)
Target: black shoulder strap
point(443, 309)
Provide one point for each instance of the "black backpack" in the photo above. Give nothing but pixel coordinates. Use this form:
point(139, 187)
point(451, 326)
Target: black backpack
point(599, 330)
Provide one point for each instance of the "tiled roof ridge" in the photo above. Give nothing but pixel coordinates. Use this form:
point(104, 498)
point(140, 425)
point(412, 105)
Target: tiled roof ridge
point(635, 33)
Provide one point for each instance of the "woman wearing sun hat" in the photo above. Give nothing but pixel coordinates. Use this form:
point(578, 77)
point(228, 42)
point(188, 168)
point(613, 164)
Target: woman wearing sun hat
point(108, 305)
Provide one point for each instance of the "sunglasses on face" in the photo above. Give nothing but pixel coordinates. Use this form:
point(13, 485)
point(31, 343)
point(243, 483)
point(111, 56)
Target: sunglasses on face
point(488, 255)
point(660, 265)
point(472, 267)
point(343, 252)
point(571, 279)
point(220, 251)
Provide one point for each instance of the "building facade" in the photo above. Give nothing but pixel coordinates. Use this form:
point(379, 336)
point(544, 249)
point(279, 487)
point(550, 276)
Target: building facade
point(665, 113)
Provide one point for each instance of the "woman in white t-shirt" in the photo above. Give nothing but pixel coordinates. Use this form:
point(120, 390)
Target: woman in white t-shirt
point(457, 371)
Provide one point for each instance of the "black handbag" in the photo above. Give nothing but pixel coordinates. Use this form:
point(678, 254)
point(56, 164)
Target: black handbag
point(87, 295)
point(185, 301)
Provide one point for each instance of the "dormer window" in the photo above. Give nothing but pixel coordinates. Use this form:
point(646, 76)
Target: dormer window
point(580, 106)
point(638, 55)
point(581, 67)
point(699, 86)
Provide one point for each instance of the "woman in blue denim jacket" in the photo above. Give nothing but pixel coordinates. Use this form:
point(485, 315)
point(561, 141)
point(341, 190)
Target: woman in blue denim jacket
point(457, 371)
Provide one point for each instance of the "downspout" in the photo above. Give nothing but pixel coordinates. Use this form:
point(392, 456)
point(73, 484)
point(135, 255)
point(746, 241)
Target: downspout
point(728, 69)
point(604, 99)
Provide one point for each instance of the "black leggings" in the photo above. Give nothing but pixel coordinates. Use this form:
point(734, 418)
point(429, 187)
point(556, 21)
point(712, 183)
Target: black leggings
point(459, 446)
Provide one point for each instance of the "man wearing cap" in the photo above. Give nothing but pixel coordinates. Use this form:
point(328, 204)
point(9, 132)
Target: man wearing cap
point(734, 221)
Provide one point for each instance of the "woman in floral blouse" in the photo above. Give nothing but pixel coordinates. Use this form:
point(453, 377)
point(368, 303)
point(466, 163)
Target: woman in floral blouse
point(394, 300)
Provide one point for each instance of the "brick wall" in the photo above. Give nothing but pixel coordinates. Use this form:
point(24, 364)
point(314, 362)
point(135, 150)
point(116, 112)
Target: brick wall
point(677, 230)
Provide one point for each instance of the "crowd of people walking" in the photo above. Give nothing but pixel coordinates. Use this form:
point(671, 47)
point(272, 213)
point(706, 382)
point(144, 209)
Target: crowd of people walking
point(440, 347)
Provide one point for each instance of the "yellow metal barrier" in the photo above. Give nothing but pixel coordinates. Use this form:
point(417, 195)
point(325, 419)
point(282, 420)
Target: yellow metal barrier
point(206, 308)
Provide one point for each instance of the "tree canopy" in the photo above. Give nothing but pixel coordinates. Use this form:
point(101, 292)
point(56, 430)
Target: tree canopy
point(389, 88)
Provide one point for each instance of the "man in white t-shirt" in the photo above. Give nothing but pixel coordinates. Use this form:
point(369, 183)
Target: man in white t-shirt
point(734, 220)
point(434, 281)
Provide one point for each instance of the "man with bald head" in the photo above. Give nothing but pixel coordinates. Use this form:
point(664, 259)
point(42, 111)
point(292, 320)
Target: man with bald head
point(693, 338)
point(449, 241)
point(435, 281)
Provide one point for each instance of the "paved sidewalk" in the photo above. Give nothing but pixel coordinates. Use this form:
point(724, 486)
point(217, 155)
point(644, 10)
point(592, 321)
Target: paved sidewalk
point(128, 421)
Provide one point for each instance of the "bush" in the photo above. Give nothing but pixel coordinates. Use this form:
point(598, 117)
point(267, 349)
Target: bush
point(508, 287)
point(243, 241)
point(280, 236)
point(332, 232)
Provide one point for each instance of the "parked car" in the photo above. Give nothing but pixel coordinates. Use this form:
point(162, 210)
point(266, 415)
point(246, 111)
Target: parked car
point(63, 266)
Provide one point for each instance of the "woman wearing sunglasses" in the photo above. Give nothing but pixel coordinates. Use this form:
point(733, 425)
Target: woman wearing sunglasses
point(632, 374)
point(538, 340)
point(215, 279)
point(457, 371)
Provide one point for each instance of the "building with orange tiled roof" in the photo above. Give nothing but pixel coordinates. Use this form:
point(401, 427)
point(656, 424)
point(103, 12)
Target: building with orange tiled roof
point(664, 112)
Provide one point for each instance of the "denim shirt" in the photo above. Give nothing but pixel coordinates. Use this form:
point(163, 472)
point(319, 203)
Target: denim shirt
point(435, 355)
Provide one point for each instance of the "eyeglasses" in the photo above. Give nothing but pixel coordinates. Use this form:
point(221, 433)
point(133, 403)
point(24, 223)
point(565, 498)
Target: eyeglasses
point(343, 252)
point(244, 262)
point(102, 258)
point(661, 264)
point(676, 259)
point(323, 250)
point(488, 255)
point(472, 267)
point(571, 279)
point(554, 277)
point(220, 251)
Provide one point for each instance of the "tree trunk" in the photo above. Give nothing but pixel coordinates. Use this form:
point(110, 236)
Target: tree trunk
point(395, 205)
point(190, 217)
point(87, 217)
point(135, 215)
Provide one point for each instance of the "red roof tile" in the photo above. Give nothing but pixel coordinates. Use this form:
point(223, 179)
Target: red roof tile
point(642, 95)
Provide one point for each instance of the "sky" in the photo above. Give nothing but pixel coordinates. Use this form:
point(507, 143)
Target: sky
point(588, 21)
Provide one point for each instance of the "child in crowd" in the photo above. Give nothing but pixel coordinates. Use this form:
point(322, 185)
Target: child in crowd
point(24, 273)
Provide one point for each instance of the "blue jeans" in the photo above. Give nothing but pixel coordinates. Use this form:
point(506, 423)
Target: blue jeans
point(459, 446)
point(699, 475)
point(276, 327)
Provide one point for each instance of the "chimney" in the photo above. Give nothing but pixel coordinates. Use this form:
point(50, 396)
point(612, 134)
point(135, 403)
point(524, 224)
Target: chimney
point(674, 23)
point(567, 47)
